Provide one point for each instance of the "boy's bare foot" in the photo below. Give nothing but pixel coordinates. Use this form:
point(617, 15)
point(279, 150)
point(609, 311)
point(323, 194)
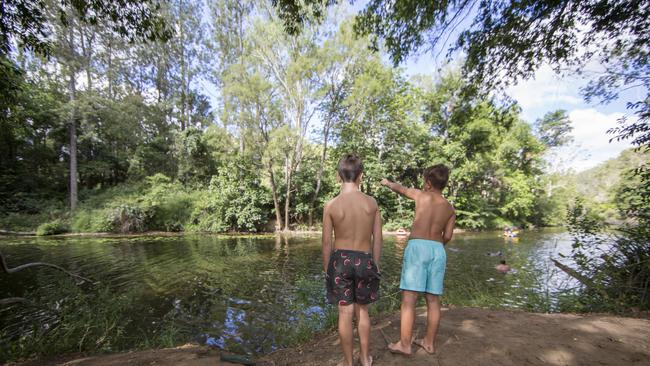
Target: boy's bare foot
point(399, 348)
point(428, 348)
point(368, 362)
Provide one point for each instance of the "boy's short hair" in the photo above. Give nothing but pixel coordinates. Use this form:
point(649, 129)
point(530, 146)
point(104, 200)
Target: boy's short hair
point(437, 176)
point(503, 262)
point(350, 167)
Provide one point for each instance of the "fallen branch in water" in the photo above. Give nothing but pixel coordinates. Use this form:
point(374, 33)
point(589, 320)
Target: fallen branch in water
point(582, 279)
point(13, 300)
point(8, 270)
point(17, 233)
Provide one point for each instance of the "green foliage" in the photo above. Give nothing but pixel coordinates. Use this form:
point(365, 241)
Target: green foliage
point(128, 219)
point(26, 21)
point(91, 221)
point(52, 228)
point(617, 264)
point(554, 129)
point(194, 161)
point(234, 201)
point(152, 155)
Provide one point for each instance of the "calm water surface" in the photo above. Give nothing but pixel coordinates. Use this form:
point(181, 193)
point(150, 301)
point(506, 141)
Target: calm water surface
point(255, 294)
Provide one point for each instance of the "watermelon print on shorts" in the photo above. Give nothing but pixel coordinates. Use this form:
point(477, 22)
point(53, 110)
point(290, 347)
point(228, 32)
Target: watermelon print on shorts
point(352, 277)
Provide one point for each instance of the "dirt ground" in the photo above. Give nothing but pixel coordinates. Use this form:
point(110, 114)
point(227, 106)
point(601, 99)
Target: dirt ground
point(467, 336)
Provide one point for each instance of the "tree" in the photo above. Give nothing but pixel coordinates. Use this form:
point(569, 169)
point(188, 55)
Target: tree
point(504, 42)
point(28, 21)
point(343, 57)
point(554, 129)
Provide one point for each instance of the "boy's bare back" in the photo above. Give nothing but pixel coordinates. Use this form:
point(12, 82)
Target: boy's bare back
point(433, 217)
point(352, 216)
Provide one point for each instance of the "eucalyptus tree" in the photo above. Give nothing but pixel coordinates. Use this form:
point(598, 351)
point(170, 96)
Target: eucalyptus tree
point(291, 64)
point(342, 57)
point(229, 25)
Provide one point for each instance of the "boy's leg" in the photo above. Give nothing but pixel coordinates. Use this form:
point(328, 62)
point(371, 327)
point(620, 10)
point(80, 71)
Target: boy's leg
point(407, 313)
point(433, 321)
point(364, 333)
point(346, 317)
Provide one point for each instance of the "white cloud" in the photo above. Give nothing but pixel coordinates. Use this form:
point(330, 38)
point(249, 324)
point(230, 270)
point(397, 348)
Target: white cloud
point(546, 91)
point(591, 144)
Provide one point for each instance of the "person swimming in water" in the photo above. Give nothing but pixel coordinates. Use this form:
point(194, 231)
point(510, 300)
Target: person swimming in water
point(502, 267)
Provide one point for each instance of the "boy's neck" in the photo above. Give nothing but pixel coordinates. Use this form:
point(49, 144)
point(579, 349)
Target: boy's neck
point(349, 187)
point(434, 190)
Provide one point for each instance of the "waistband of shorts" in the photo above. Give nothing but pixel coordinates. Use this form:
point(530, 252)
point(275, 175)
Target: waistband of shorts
point(425, 241)
point(350, 251)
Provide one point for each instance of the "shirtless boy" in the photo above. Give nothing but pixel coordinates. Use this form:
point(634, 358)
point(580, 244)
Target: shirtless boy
point(423, 268)
point(351, 259)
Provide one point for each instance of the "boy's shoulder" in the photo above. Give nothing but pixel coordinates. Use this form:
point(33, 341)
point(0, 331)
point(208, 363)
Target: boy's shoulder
point(370, 199)
point(449, 204)
point(367, 198)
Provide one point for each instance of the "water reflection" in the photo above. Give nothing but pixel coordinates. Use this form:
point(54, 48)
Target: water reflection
point(255, 294)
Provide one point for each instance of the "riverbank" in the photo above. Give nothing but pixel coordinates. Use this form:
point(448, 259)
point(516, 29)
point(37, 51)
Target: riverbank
point(5, 233)
point(468, 336)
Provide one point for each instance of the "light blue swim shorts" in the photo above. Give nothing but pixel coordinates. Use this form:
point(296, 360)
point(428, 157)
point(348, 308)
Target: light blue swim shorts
point(423, 267)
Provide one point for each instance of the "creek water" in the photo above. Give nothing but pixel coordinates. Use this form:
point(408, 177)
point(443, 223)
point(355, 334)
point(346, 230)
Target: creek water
point(255, 294)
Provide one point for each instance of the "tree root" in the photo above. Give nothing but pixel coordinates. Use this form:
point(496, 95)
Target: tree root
point(8, 270)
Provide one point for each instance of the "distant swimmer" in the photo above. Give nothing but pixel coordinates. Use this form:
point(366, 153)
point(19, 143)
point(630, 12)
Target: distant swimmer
point(502, 267)
point(402, 232)
point(498, 253)
point(511, 232)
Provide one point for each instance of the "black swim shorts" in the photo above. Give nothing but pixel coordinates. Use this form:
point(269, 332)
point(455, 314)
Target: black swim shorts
point(352, 277)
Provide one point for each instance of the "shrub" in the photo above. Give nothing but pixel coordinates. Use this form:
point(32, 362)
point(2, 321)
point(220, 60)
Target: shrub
point(234, 201)
point(171, 213)
point(52, 228)
point(614, 266)
point(127, 218)
point(92, 221)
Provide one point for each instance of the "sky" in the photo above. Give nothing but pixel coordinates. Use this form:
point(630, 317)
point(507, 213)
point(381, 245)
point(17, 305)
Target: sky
point(547, 91)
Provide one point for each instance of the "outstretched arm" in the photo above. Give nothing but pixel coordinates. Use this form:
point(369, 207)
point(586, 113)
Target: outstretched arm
point(410, 193)
point(327, 237)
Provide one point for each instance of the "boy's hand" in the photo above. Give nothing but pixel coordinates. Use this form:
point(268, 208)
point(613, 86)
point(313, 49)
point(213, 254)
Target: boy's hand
point(385, 182)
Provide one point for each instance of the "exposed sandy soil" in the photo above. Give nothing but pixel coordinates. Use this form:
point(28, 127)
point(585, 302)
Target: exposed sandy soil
point(468, 336)
point(471, 336)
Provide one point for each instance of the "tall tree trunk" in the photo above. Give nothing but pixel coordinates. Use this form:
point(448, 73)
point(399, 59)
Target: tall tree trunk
point(181, 36)
point(287, 200)
point(87, 49)
point(72, 124)
point(109, 75)
point(276, 200)
point(321, 168)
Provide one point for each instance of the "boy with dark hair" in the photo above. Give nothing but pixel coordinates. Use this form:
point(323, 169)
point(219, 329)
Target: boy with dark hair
point(423, 267)
point(502, 267)
point(351, 259)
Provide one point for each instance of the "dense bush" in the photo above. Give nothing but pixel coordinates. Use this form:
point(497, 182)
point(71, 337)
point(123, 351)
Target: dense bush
point(614, 265)
point(128, 219)
point(92, 221)
point(52, 228)
point(234, 201)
